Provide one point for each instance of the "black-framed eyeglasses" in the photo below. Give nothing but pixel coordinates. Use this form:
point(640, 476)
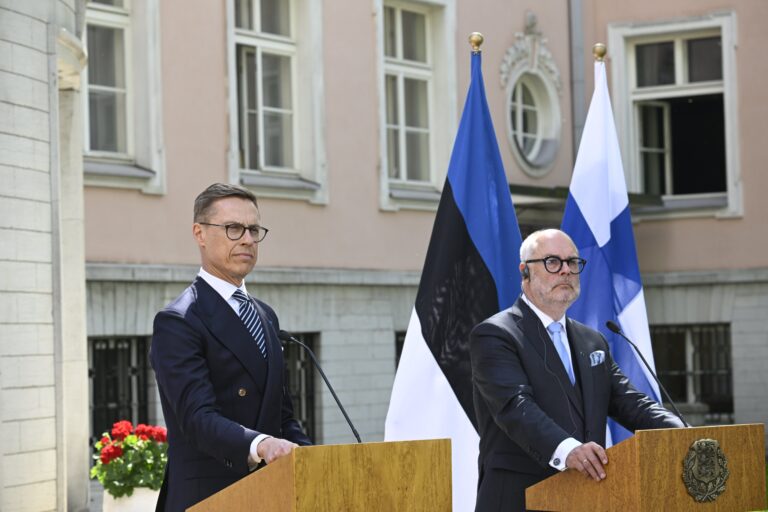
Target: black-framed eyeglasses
point(553, 264)
point(236, 231)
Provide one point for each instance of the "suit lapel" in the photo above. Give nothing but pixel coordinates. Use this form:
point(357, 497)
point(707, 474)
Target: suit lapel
point(227, 327)
point(274, 365)
point(579, 344)
point(536, 335)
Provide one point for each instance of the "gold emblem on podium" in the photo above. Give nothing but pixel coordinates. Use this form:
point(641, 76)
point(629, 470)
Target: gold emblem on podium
point(705, 470)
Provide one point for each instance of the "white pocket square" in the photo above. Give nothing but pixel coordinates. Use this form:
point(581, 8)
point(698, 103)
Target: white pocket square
point(597, 357)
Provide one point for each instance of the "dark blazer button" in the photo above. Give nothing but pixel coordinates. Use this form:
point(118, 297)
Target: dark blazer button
point(242, 391)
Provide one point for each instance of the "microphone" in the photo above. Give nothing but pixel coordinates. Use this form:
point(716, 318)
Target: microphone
point(617, 330)
point(286, 337)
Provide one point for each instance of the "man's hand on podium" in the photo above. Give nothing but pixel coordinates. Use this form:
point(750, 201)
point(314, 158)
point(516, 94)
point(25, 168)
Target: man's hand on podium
point(272, 448)
point(588, 459)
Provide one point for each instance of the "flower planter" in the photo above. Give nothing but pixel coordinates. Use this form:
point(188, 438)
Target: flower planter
point(143, 499)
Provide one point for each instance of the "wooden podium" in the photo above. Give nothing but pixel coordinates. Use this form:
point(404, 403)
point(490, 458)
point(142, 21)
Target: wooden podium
point(402, 476)
point(645, 473)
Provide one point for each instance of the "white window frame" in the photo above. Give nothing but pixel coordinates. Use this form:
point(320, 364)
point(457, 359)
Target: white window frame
point(119, 19)
point(306, 179)
point(622, 39)
point(142, 166)
point(549, 118)
point(440, 73)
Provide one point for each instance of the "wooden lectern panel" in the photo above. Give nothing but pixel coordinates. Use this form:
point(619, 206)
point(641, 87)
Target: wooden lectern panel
point(743, 447)
point(406, 476)
point(402, 476)
point(645, 473)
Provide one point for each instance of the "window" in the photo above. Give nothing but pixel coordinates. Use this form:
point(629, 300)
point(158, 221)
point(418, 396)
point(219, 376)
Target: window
point(107, 36)
point(265, 92)
point(122, 141)
point(532, 124)
point(679, 110)
point(532, 81)
point(416, 51)
point(276, 140)
point(694, 365)
point(408, 79)
point(118, 381)
point(300, 379)
point(675, 96)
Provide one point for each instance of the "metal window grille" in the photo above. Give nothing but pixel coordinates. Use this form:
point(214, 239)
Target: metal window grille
point(300, 379)
point(694, 364)
point(118, 371)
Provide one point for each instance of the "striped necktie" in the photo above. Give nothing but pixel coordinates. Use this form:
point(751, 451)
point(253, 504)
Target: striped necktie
point(250, 318)
point(555, 329)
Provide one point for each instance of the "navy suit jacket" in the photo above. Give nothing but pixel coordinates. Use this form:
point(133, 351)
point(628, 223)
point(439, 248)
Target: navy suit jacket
point(217, 392)
point(526, 406)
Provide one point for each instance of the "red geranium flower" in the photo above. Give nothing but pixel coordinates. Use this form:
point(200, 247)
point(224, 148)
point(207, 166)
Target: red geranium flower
point(121, 430)
point(110, 453)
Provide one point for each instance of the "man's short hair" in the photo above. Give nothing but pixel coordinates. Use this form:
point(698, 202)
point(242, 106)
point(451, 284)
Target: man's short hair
point(528, 247)
point(204, 202)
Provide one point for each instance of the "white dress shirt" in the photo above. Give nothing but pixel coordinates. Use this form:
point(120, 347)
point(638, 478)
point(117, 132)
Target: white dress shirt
point(565, 447)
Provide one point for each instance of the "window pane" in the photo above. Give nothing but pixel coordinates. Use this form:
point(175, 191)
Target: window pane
point(655, 64)
point(417, 156)
point(391, 84)
point(244, 14)
point(250, 80)
point(253, 142)
point(414, 36)
point(393, 153)
point(652, 126)
point(416, 111)
point(697, 133)
point(530, 122)
point(276, 81)
point(527, 96)
point(513, 108)
point(654, 176)
point(278, 140)
point(275, 17)
point(106, 116)
point(113, 3)
point(705, 59)
point(106, 56)
point(390, 42)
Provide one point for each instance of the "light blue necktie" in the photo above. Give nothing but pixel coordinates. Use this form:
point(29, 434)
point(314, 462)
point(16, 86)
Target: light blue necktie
point(555, 329)
point(250, 318)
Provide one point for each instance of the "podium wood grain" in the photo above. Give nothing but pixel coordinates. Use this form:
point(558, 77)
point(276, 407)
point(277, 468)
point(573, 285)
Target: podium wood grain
point(403, 476)
point(645, 473)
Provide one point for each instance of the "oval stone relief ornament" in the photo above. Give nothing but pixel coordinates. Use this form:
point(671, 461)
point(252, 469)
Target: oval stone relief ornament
point(705, 470)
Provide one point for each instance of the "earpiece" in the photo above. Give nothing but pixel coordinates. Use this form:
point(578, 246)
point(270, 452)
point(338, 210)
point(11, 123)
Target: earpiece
point(526, 272)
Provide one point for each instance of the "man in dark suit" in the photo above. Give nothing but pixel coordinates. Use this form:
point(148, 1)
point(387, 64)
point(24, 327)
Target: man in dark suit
point(544, 384)
point(218, 361)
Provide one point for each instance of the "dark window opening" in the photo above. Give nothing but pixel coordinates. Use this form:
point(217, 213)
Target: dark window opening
point(118, 373)
point(694, 365)
point(300, 379)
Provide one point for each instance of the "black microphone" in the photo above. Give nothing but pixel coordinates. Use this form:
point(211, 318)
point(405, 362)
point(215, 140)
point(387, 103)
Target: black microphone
point(617, 330)
point(286, 337)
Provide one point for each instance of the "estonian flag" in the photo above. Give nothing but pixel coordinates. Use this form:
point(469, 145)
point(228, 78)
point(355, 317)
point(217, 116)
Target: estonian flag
point(597, 218)
point(470, 273)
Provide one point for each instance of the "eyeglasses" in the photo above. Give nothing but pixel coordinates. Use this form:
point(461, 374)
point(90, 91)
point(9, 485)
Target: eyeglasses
point(553, 264)
point(236, 231)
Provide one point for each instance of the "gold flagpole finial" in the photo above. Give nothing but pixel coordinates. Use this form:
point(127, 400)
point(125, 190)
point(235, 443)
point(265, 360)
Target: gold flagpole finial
point(476, 39)
point(599, 51)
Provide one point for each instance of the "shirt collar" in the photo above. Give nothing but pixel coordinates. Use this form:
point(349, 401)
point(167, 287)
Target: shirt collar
point(222, 287)
point(545, 318)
